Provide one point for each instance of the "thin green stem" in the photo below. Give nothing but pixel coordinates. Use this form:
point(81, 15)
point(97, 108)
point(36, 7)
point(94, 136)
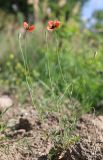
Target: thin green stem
point(26, 70)
point(27, 67)
point(61, 98)
point(67, 85)
point(58, 56)
point(48, 64)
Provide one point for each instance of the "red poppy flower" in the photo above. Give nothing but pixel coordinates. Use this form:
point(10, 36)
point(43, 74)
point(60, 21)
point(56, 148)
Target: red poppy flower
point(53, 25)
point(28, 28)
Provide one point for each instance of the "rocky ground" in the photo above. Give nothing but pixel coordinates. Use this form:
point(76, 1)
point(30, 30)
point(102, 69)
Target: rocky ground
point(24, 136)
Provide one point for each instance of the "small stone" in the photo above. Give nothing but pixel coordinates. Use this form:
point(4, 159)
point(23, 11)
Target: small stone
point(11, 123)
point(5, 102)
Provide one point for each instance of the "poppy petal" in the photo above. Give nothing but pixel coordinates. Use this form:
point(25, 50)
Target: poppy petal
point(26, 25)
point(49, 29)
point(50, 23)
point(31, 28)
point(57, 23)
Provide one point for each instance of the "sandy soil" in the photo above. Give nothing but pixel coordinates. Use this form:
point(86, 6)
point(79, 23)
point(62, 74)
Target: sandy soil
point(24, 136)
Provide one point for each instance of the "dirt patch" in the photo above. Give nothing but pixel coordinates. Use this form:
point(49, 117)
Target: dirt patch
point(90, 129)
point(90, 145)
point(24, 136)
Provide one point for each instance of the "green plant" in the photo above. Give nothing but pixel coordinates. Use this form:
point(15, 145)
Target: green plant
point(76, 74)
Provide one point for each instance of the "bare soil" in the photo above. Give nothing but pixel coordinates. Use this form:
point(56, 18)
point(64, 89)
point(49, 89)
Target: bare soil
point(24, 136)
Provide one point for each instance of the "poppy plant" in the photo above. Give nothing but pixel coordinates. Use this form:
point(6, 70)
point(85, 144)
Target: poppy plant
point(52, 25)
point(28, 27)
